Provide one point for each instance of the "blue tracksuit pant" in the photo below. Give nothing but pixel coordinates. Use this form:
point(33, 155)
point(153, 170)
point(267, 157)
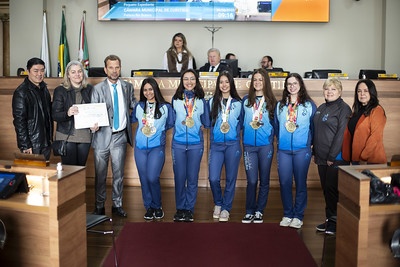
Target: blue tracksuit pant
point(257, 163)
point(293, 164)
point(149, 163)
point(186, 165)
point(220, 154)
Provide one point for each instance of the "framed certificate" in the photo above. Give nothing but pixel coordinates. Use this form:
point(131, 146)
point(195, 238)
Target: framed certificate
point(90, 114)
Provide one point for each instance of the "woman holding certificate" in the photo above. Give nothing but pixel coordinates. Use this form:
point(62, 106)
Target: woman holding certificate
point(226, 124)
point(258, 137)
point(73, 90)
point(154, 116)
point(191, 116)
point(294, 131)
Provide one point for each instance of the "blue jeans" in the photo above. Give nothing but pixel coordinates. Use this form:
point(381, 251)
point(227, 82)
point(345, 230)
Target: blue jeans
point(257, 163)
point(149, 163)
point(186, 164)
point(294, 164)
point(229, 155)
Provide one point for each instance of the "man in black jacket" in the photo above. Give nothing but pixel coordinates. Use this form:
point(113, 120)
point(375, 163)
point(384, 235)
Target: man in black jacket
point(214, 62)
point(31, 107)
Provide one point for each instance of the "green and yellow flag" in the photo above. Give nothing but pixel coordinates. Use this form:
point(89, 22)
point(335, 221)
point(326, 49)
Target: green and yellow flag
point(63, 51)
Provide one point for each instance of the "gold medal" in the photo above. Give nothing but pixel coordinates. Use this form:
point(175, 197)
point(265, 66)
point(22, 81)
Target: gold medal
point(255, 125)
point(224, 127)
point(147, 131)
point(290, 126)
point(189, 122)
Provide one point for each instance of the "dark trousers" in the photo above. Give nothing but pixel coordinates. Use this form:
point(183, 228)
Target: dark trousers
point(328, 176)
point(77, 154)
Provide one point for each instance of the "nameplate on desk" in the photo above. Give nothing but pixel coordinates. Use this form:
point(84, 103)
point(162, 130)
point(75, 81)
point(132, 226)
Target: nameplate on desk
point(208, 74)
point(143, 74)
point(30, 159)
point(278, 74)
point(338, 75)
point(387, 76)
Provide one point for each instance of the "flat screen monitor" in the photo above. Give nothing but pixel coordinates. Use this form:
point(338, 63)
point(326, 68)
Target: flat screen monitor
point(208, 10)
point(233, 65)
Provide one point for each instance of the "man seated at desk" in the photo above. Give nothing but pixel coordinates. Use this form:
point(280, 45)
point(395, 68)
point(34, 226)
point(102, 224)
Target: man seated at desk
point(214, 62)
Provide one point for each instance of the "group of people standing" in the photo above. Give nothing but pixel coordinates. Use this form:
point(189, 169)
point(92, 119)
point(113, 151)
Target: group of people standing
point(332, 133)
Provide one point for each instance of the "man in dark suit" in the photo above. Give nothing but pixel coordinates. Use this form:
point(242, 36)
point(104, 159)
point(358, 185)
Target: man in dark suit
point(112, 140)
point(214, 62)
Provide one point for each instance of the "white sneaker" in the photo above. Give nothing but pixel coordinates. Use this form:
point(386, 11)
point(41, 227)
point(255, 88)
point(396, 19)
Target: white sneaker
point(217, 212)
point(286, 221)
point(224, 216)
point(258, 218)
point(296, 223)
point(248, 218)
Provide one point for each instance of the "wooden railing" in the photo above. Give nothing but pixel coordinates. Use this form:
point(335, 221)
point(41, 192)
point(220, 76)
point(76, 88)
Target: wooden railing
point(388, 90)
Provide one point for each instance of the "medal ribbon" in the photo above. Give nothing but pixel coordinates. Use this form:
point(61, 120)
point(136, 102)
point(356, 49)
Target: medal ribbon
point(257, 108)
point(190, 104)
point(292, 112)
point(226, 109)
point(148, 115)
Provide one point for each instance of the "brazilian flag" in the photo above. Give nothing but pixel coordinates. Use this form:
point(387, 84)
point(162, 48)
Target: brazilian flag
point(63, 51)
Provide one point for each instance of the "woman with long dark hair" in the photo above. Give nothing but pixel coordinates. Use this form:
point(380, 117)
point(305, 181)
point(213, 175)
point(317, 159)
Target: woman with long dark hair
point(154, 116)
point(363, 137)
point(294, 131)
point(191, 116)
point(226, 124)
point(258, 138)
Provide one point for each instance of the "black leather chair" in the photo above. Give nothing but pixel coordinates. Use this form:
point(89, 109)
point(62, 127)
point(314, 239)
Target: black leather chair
point(96, 72)
point(370, 74)
point(92, 220)
point(323, 73)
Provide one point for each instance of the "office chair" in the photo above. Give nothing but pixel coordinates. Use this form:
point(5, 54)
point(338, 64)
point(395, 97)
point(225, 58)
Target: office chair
point(323, 73)
point(3, 234)
point(370, 74)
point(96, 72)
point(93, 220)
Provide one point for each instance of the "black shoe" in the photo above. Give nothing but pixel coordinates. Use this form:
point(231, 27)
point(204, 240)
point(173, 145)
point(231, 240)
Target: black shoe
point(189, 216)
point(179, 216)
point(99, 211)
point(158, 214)
point(321, 227)
point(119, 211)
point(149, 214)
point(330, 228)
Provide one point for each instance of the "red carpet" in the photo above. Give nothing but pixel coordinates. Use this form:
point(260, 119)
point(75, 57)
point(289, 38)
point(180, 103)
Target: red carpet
point(209, 244)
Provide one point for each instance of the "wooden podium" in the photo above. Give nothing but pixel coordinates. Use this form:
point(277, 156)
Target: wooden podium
point(364, 230)
point(46, 230)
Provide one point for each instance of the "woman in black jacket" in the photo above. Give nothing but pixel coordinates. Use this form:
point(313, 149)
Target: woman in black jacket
point(74, 90)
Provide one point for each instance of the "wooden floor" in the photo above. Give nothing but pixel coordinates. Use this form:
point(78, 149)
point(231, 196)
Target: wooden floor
point(321, 247)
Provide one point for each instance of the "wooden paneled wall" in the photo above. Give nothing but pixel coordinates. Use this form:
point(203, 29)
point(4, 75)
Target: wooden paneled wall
point(389, 96)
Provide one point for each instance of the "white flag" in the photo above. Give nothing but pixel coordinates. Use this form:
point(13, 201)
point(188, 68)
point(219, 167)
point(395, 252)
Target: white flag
point(44, 53)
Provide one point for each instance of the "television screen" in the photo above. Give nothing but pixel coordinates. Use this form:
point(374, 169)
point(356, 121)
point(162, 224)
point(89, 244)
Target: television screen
point(224, 10)
point(233, 65)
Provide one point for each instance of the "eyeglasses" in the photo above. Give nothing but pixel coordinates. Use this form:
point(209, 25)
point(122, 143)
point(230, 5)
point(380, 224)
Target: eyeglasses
point(292, 84)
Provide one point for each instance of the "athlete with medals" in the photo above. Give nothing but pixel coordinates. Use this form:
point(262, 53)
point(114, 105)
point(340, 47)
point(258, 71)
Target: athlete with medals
point(154, 116)
point(258, 149)
point(226, 123)
point(191, 116)
point(294, 130)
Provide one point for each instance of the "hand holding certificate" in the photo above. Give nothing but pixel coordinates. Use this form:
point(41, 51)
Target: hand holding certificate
point(90, 114)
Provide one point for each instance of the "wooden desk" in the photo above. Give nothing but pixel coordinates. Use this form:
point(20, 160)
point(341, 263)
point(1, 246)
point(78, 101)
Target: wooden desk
point(364, 231)
point(389, 97)
point(46, 230)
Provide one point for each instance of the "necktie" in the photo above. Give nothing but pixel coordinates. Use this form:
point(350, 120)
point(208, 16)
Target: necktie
point(116, 108)
point(212, 68)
